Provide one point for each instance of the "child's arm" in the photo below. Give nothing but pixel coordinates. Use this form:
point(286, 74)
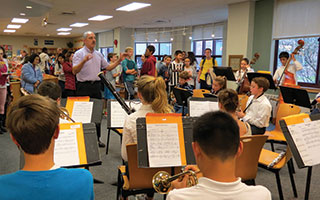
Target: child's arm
point(296, 63)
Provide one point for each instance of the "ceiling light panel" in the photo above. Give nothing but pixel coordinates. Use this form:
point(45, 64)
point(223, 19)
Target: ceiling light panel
point(14, 26)
point(133, 6)
point(64, 29)
point(64, 33)
point(19, 20)
point(9, 31)
point(78, 24)
point(100, 18)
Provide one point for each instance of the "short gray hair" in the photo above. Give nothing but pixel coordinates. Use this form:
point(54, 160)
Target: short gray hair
point(85, 34)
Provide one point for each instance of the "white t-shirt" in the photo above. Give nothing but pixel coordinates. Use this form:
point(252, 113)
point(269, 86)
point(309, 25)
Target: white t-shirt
point(44, 61)
point(213, 190)
point(291, 68)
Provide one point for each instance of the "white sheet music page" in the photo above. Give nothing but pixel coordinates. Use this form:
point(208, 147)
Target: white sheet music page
point(306, 136)
point(66, 151)
point(163, 145)
point(198, 108)
point(118, 114)
point(82, 111)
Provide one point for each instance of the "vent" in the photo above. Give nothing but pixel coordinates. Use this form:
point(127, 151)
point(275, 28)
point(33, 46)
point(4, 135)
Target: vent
point(68, 13)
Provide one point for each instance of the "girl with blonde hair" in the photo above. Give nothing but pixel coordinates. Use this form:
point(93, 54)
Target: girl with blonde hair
point(153, 96)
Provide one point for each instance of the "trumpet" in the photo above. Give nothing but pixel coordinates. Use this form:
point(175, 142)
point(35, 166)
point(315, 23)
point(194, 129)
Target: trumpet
point(161, 181)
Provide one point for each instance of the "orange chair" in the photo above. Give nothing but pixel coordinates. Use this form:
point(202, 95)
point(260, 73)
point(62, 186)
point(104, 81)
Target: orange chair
point(267, 157)
point(199, 93)
point(276, 135)
point(140, 180)
point(247, 162)
point(243, 101)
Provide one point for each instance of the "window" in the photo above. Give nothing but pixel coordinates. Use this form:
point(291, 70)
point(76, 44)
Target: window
point(215, 45)
point(105, 50)
point(161, 49)
point(308, 57)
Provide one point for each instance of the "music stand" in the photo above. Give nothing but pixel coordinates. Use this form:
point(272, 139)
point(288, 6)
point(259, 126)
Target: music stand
point(209, 95)
point(182, 96)
point(295, 96)
point(224, 71)
point(269, 77)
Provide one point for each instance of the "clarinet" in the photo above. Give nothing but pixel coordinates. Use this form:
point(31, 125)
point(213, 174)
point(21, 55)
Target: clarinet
point(115, 93)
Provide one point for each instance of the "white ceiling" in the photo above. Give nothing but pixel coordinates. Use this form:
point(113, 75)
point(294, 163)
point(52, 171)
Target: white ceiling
point(162, 13)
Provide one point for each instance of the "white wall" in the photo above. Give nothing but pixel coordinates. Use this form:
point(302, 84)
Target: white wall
point(240, 29)
point(26, 42)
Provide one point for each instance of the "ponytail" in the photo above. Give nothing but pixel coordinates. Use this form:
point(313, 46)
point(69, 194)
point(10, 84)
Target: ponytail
point(229, 100)
point(153, 91)
point(222, 81)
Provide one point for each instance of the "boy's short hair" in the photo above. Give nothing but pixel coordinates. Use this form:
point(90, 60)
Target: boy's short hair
point(207, 49)
point(284, 54)
point(151, 49)
point(184, 75)
point(50, 89)
point(110, 55)
point(128, 49)
point(177, 52)
point(32, 121)
point(262, 82)
point(217, 134)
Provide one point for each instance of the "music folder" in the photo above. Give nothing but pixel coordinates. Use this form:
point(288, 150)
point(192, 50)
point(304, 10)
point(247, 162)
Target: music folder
point(187, 138)
point(269, 77)
point(303, 137)
point(296, 96)
point(199, 106)
point(224, 71)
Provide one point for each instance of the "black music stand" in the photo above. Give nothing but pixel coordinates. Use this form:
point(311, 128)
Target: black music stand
point(224, 71)
point(296, 96)
point(269, 77)
point(182, 96)
point(143, 159)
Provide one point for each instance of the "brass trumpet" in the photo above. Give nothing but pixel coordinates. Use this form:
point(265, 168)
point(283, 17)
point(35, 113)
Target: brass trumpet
point(161, 181)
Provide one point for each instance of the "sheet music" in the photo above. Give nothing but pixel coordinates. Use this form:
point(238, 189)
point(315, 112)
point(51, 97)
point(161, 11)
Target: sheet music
point(82, 111)
point(163, 145)
point(118, 114)
point(198, 108)
point(66, 151)
point(306, 136)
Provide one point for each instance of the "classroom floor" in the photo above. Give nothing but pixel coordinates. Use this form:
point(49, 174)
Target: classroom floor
point(107, 172)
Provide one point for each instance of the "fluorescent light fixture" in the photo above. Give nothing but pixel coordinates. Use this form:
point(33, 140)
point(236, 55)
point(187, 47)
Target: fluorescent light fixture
point(190, 38)
point(9, 31)
point(19, 20)
point(64, 33)
point(133, 6)
point(212, 35)
point(64, 29)
point(78, 24)
point(171, 39)
point(100, 17)
point(14, 26)
point(22, 14)
point(29, 7)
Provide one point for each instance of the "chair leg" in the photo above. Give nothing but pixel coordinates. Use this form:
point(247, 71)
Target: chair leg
point(118, 185)
point(294, 189)
point(108, 138)
point(279, 185)
point(272, 146)
point(292, 166)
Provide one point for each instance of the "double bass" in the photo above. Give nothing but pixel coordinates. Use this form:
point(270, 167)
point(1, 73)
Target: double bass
point(244, 84)
point(289, 79)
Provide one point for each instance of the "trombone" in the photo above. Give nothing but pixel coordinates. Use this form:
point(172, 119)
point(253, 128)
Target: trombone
point(161, 181)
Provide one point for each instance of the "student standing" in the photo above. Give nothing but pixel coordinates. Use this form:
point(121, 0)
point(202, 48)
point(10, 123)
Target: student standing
point(191, 70)
point(206, 65)
point(130, 72)
point(149, 62)
point(175, 68)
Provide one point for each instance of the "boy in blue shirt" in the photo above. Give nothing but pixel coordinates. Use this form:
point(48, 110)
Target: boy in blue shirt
point(130, 71)
point(33, 126)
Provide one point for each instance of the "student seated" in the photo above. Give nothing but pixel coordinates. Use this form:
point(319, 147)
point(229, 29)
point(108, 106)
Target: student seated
point(33, 125)
point(153, 96)
point(229, 102)
point(258, 109)
point(219, 83)
point(51, 90)
point(216, 146)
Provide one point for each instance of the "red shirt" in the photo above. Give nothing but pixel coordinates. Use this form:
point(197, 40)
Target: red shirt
point(149, 67)
point(70, 83)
